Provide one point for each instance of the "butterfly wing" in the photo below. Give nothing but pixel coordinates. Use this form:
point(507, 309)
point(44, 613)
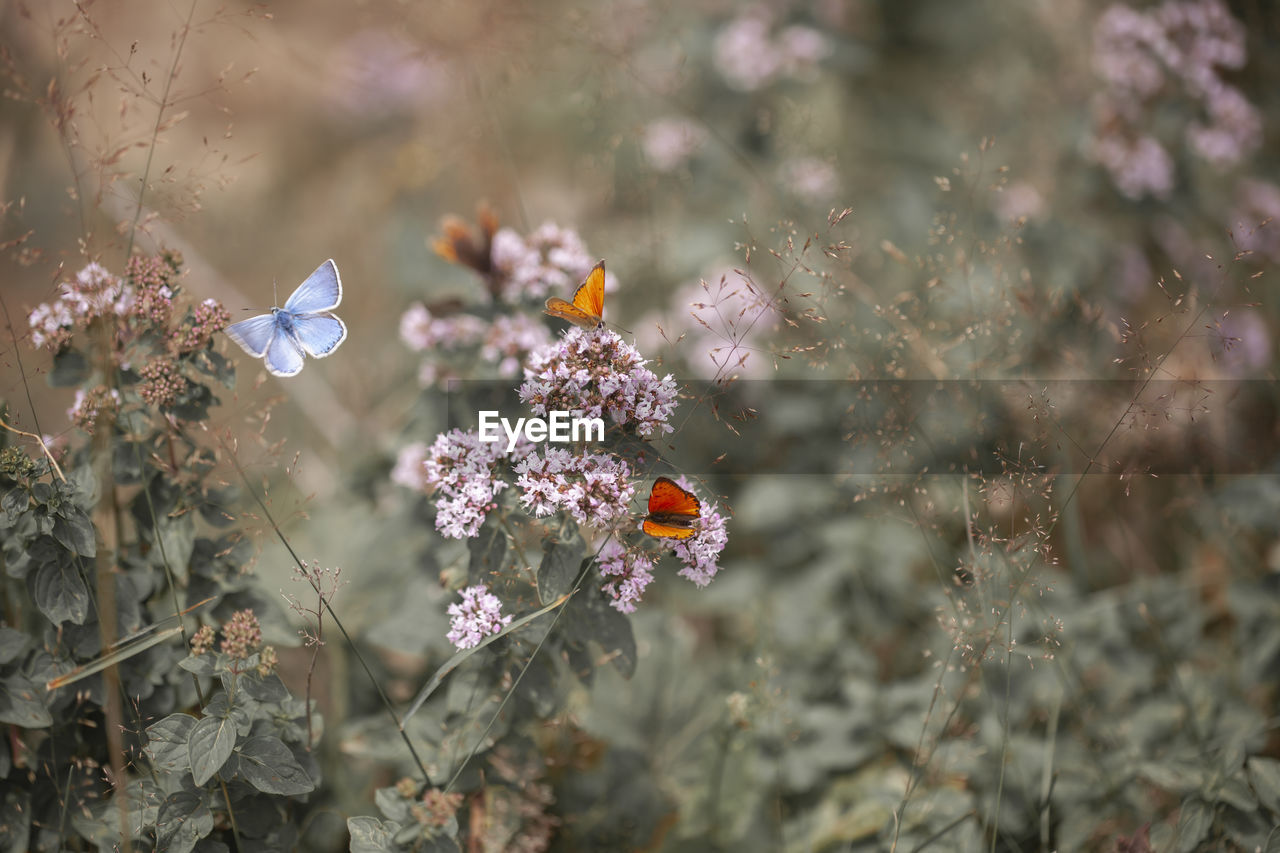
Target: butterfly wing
point(284, 355)
point(666, 531)
point(587, 308)
point(322, 291)
point(589, 297)
point(558, 307)
point(319, 334)
point(673, 511)
point(254, 335)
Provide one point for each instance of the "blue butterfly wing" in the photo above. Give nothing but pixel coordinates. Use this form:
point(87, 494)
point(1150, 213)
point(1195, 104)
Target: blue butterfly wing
point(284, 356)
point(322, 291)
point(254, 335)
point(319, 334)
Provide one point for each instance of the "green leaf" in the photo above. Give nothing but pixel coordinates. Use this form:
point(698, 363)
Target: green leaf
point(59, 592)
point(1235, 791)
point(83, 486)
point(126, 462)
point(1264, 775)
point(167, 742)
point(561, 562)
point(20, 703)
point(69, 368)
point(74, 531)
point(589, 616)
point(177, 539)
point(1193, 823)
point(370, 835)
point(392, 805)
point(183, 820)
point(210, 744)
point(452, 663)
point(12, 644)
point(98, 820)
point(121, 654)
point(268, 765)
point(269, 689)
point(208, 845)
point(205, 664)
point(488, 551)
point(15, 820)
point(15, 502)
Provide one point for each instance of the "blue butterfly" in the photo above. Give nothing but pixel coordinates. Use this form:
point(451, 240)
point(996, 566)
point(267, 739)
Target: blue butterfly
point(303, 325)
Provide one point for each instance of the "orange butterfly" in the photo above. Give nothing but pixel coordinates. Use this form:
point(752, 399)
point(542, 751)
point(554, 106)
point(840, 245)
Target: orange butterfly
point(673, 511)
point(587, 308)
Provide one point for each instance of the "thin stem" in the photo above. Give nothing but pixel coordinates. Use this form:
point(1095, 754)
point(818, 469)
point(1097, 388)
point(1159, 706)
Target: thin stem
point(22, 371)
point(386, 703)
point(582, 576)
point(155, 131)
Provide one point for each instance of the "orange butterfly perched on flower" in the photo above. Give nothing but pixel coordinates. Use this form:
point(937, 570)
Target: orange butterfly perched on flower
point(587, 308)
point(673, 511)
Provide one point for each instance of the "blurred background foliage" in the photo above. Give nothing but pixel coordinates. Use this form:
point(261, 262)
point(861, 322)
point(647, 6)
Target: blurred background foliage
point(931, 190)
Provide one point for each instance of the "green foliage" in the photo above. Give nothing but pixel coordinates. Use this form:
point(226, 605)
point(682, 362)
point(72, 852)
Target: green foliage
point(200, 764)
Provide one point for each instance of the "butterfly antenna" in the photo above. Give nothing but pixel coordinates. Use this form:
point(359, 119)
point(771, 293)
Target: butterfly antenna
point(275, 297)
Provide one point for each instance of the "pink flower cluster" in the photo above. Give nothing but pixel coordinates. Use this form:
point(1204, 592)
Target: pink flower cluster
point(208, 318)
point(94, 293)
point(626, 572)
point(749, 54)
point(504, 342)
point(460, 468)
point(550, 261)
point(161, 382)
point(86, 409)
point(700, 552)
point(421, 330)
point(1178, 46)
point(594, 373)
point(242, 635)
point(510, 340)
point(669, 143)
point(594, 488)
point(477, 616)
point(809, 178)
point(144, 296)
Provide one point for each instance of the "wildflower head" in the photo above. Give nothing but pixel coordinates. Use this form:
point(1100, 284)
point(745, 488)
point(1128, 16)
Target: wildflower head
point(95, 292)
point(436, 809)
point(51, 325)
point(461, 245)
point(267, 661)
point(626, 573)
point(91, 405)
point(550, 260)
point(161, 382)
point(421, 329)
point(594, 488)
point(477, 616)
point(205, 320)
point(460, 468)
point(241, 635)
point(594, 373)
point(668, 143)
point(510, 339)
point(700, 552)
point(203, 640)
